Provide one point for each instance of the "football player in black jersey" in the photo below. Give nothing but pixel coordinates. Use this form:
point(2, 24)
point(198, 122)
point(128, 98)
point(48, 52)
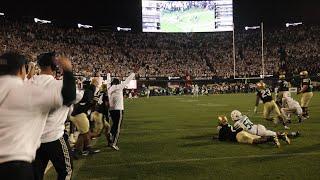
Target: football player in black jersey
point(100, 115)
point(306, 91)
point(269, 105)
point(283, 89)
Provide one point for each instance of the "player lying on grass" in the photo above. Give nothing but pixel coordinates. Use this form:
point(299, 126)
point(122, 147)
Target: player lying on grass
point(290, 106)
point(243, 122)
point(228, 133)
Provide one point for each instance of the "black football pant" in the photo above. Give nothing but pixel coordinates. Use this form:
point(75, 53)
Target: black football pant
point(116, 117)
point(16, 170)
point(58, 152)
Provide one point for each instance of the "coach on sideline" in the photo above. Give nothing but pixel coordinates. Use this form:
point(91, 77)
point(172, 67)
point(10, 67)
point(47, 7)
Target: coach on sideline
point(23, 111)
point(54, 143)
point(115, 93)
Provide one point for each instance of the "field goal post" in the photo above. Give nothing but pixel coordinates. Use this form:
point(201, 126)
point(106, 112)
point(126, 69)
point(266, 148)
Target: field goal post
point(263, 75)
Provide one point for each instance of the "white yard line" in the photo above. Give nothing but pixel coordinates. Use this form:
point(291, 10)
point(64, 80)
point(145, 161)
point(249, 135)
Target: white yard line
point(206, 159)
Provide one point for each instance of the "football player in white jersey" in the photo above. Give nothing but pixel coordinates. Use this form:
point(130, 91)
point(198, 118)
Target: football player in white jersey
point(291, 106)
point(196, 90)
point(242, 121)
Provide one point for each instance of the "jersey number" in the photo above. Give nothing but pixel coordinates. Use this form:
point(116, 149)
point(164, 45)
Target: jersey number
point(248, 124)
point(265, 93)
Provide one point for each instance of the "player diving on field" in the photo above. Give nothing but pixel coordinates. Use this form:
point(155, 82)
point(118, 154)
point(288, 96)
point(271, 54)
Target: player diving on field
point(243, 122)
point(228, 133)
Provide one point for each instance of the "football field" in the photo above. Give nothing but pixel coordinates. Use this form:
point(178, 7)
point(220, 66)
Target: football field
point(192, 20)
point(171, 138)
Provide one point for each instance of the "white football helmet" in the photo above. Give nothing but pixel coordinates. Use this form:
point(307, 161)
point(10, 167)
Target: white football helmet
point(235, 115)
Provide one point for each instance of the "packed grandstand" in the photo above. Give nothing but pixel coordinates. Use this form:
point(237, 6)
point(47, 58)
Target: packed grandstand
point(200, 55)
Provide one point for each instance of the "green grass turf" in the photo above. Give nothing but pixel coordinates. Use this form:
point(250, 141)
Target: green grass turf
point(187, 21)
point(171, 138)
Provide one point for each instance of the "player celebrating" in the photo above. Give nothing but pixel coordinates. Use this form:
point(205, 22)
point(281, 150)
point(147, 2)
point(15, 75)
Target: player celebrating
point(306, 90)
point(243, 122)
point(283, 89)
point(290, 106)
point(227, 133)
point(265, 95)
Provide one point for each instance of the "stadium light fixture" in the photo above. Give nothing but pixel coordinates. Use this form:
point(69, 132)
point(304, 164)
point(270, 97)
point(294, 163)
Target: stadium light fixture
point(251, 27)
point(1, 14)
point(84, 26)
point(37, 20)
point(293, 24)
point(123, 29)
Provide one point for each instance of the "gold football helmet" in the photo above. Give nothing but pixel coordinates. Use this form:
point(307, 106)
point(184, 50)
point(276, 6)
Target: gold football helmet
point(261, 85)
point(282, 76)
point(222, 120)
point(304, 73)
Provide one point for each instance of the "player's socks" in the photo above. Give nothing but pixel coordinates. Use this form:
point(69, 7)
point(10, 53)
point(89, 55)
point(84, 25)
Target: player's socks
point(307, 112)
point(304, 111)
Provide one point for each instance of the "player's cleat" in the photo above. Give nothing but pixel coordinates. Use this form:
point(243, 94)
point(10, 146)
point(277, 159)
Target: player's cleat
point(286, 138)
point(293, 134)
point(115, 147)
point(289, 121)
point(276, 142)
point(93, 150)
point(85, 153)
point(286, 127)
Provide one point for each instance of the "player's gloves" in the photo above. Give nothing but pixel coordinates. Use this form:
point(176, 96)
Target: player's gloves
point(255, 109)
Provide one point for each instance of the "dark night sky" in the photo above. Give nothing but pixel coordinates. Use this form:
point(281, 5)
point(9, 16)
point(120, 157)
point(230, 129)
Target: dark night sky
point(111, 13)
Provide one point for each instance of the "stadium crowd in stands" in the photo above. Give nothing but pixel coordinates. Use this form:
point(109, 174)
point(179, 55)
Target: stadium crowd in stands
point(163, 54)
point(96, 54)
